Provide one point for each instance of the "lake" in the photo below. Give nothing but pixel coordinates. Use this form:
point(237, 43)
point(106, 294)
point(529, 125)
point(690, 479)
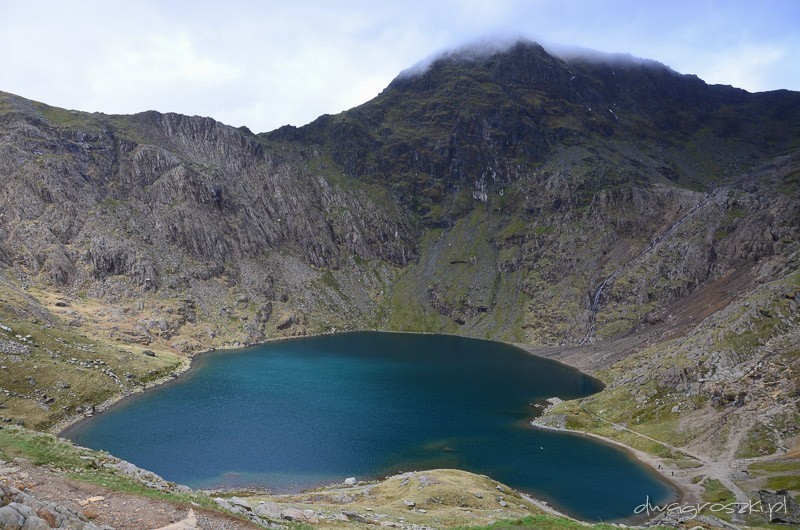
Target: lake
point(299, 413)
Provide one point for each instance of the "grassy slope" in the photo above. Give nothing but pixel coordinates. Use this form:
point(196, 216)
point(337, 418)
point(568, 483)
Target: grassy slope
point(60, 368)
point(83, 464)
point(461, 264)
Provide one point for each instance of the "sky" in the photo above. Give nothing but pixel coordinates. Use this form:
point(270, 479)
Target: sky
point(267, 63)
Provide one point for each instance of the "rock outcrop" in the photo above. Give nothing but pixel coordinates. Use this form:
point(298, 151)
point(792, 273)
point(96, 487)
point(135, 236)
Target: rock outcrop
point(19, 510)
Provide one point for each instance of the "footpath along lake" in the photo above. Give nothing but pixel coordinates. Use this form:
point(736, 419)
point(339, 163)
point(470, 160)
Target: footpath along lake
point(294, 414)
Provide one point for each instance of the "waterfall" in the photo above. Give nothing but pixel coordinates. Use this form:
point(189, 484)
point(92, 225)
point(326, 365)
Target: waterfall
point(609, 280)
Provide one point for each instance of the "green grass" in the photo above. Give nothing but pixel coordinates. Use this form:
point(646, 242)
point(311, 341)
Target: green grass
point(66, 370)
point(65, 367)
point(540, 230)
point(760, 441)
point(40, 449)
point(545, 522)
point(715, 492)
point(47, 450)
point(791, 183)
point(123, 484)
point(775, 466)
point(329, 281)
point(515, 228)
point(784, 482)
point(735, 213)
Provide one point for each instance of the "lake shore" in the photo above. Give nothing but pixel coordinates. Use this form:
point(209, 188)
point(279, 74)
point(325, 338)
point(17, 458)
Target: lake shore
point(188, 364)
point(680, 482)
point(64, 424)
point(650, 462)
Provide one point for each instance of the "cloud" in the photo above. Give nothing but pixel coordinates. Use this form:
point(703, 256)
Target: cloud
point(746, 67)
point(267, 63)
point(161, 65)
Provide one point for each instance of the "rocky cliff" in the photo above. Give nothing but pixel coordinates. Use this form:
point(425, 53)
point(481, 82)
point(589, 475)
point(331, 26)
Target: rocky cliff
point(118, 207)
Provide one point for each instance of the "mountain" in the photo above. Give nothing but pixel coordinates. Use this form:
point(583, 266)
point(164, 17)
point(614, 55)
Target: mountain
point(609, 211)
point(566, 167)
point(477, 118)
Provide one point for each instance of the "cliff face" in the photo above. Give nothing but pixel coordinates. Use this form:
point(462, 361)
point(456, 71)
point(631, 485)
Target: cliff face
point(176, 206)
point(509, 194)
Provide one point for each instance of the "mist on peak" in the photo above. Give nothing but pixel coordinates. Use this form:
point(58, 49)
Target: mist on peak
point(473, 51)
point(571, 56)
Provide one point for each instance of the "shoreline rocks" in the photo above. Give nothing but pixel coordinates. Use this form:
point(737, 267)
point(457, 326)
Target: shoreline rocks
point(23, 511)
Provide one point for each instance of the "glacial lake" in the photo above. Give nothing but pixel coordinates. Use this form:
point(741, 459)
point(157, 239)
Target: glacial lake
point(299, 413)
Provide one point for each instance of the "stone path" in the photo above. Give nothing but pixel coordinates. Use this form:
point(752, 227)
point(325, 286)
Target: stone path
point(92, 507)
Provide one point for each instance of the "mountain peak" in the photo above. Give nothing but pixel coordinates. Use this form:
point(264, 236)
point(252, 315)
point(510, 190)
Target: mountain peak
point(512, 62)
point(473, 52)
point(520, 61)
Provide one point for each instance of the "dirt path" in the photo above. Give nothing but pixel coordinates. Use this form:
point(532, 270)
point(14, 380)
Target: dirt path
point(678, 477)
point(722, 467)
point(715, 467)
point(102, 506)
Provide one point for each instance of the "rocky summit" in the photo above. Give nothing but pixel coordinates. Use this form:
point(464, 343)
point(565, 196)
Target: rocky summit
point(600, 209)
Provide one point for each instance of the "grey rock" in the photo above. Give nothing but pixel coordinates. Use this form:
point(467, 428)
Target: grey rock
point(23, 509)
point(293, 514)
point(10, 518)
point(268, 509)
point(785, 510)
point(242, 503)
point(342, 498)
point(35, 523)
point(353, 516)
point(12, 347)
point(425, 480)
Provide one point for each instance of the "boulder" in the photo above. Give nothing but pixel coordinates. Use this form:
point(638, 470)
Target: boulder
point(11, 518)
point(242, 503)
point(35, 523)
point(293, 514)
point(268, 509)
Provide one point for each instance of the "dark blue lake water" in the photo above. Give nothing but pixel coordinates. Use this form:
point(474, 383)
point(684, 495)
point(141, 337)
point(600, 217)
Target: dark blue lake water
point(306, 412)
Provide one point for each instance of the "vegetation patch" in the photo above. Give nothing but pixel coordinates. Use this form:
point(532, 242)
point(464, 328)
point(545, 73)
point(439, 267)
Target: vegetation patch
point(777, 466)
point(784, 482)
point(760, 441)
point(83, 464)
point(714, 492)
point(545, 522)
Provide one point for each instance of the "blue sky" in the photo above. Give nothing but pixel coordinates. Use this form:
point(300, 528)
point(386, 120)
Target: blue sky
point(267, 63)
